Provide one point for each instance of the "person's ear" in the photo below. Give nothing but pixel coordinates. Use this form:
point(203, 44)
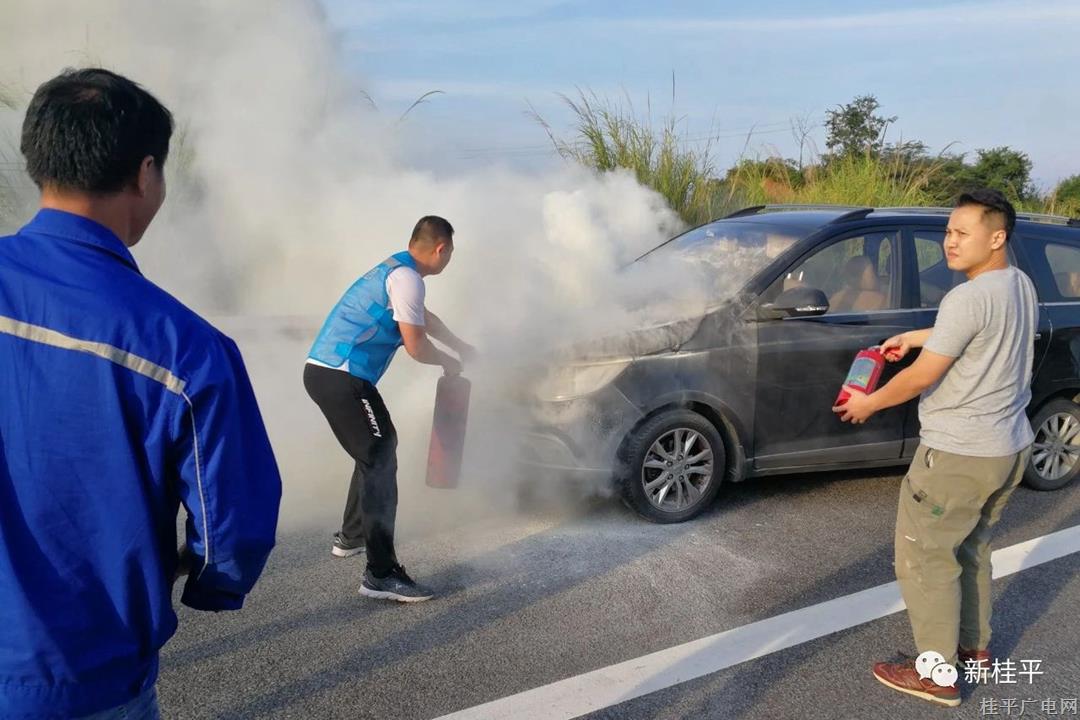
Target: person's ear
point(146, 168)
point(997, 240)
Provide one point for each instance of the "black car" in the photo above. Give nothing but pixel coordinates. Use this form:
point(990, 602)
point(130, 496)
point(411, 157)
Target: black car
point(745, 388)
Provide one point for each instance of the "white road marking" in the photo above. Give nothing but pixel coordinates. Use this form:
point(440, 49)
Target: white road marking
point(611, 685)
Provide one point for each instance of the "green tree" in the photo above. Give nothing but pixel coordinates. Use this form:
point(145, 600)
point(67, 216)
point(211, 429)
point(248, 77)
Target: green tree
point(910, 152)
point(781, 170)
point(856, 127)
point(951, 178)
point(1004, 169)
point(1068, 190)
point(1066, 196)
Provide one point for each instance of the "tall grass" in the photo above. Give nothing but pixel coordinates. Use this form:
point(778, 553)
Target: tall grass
point(1054, 203)
point(610, 136)
point(862, 180)
point(607, 136)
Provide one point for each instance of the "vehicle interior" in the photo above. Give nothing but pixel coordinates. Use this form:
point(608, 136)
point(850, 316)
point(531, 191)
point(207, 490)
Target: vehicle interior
point(856, 274)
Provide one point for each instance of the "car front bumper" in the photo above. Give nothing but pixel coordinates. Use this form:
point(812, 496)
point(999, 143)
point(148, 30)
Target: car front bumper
point(579, 438)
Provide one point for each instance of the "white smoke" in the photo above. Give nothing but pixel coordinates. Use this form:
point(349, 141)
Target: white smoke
point(285, 185)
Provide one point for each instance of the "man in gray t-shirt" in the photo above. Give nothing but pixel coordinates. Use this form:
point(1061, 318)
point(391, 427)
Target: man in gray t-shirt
point(974, 376)
point(979, 408)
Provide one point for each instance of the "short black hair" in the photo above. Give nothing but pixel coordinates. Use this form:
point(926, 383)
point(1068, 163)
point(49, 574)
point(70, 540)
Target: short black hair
point(430, 229)
point(992, 202)
point(89, 130)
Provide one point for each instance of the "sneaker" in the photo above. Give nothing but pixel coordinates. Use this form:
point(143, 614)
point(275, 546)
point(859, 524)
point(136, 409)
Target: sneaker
point(974, 665)
point(905, 678)
point(395, 586)
point(342, 549)
point(981, 657)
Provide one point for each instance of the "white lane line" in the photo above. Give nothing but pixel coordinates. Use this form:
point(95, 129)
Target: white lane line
point(611, 685)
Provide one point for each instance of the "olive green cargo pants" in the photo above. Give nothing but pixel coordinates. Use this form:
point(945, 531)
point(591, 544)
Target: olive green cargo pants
point(948, 505)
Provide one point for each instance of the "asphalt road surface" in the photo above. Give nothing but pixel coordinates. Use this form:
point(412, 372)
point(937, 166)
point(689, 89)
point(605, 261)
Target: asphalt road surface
point(535, 597)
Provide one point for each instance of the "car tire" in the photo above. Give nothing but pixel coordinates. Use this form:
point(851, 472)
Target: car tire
point(649, 453)
point(1056, 426)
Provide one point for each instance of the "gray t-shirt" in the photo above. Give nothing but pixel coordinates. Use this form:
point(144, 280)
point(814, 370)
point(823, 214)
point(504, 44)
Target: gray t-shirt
point(987, 324)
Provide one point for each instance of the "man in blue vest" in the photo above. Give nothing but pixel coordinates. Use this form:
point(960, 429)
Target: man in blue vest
point(382, 311)
point(117, 404)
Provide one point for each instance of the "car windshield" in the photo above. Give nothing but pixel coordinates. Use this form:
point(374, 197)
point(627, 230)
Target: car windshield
point(719, 258)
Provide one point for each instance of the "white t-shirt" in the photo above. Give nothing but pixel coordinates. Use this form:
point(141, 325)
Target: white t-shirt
point(406, 290)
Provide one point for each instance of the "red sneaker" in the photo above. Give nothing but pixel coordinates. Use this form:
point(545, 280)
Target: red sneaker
point(905, 678)
point(982, 657)
point(974, 665)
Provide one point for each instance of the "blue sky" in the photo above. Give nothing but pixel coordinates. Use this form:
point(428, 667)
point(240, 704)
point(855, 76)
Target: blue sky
point(1000, 72)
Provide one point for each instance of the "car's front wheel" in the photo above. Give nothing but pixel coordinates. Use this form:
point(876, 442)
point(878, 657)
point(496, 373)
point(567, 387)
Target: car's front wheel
point(671, 466)
point(1055, 457)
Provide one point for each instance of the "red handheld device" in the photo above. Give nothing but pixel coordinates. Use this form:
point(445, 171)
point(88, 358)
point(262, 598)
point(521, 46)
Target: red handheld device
point(864, 373)
point(448, 431)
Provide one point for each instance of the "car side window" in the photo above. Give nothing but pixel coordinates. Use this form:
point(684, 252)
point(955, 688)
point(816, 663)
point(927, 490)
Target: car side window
point(1064, 262)
point(857, 274)
point(935, 277)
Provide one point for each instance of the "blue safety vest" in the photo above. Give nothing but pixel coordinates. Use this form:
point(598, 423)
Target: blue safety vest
point(361, 328)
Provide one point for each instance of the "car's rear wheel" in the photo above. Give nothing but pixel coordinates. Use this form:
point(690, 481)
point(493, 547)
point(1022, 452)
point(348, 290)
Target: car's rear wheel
point(1055, 457)
point(672, 466)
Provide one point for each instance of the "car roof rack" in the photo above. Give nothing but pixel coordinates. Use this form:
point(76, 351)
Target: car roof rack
point(755, 209)
point(752, 210)
point(847, 212)
point(859, 212)
point(1031, 217)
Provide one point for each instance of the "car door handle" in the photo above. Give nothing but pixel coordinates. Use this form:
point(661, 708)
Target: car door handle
point(1038, 336)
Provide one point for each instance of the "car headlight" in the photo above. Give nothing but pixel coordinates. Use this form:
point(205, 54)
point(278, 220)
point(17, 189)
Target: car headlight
point(566, 382)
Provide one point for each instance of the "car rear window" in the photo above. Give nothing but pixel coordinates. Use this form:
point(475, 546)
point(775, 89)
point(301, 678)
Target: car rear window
point(1064, 262)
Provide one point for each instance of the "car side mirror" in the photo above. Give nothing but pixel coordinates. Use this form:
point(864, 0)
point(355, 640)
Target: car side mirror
point(795, 302)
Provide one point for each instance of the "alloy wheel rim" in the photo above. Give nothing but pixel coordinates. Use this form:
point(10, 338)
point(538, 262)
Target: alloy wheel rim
point(677, 470)
point(1056, 450)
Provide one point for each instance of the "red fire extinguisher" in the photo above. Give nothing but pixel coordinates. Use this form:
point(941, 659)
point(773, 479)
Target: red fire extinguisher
point(448, 431)
point(864, 373)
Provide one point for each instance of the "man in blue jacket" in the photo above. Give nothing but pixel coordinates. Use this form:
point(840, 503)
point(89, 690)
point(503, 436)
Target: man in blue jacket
point(117, 404)
point(382, 311)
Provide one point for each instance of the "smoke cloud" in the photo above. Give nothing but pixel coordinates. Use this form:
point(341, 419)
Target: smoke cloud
point(285, 185)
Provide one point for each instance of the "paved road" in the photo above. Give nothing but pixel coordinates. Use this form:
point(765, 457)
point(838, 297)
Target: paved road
point(532, 598)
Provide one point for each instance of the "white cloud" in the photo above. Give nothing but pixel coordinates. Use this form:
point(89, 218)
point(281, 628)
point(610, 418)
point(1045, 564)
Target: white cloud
point(967, 14)
point(347, 15)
